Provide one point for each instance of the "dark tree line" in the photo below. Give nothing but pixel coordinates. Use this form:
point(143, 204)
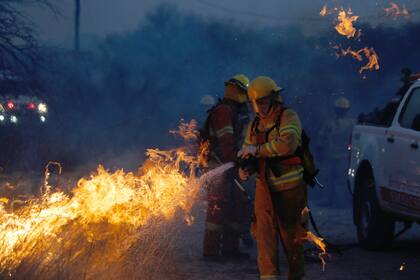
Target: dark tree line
point(19, 47)
point(121, 94)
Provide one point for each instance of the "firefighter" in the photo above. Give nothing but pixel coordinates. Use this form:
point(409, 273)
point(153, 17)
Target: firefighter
point(334, 136)
point(273, 138)
point(227, 203)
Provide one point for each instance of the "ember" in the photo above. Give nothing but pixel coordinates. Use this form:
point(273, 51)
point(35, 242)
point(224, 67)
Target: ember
point(319, 242)
point(365, 53)
point(402, 267)
point(373, 58)
point(395, 11)
point(324, 11)
point(345, 24)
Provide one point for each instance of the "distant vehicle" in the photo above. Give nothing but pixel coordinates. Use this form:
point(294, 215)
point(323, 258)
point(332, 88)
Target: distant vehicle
point(384, 170)
point(23, 116)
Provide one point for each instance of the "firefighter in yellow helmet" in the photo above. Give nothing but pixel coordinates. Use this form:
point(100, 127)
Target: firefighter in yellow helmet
point(273, 138)
point(332, 147)
point(228, 207)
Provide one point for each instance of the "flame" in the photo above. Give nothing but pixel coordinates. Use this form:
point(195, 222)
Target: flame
point(355, 54)
point(319, 242)
point(324, 11)
point(365, 53)
point(373, 58)
point(100, 220)
point(345, 23)
point(395, 11)
point(405, 12)
point(402, 266)
point(46, 187)
point(186, 130)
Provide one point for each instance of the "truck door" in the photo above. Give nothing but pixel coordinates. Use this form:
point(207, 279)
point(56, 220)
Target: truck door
point(403, 158)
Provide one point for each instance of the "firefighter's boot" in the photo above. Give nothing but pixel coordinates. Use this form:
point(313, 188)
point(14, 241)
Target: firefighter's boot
point(230, 247)
point(212, 245)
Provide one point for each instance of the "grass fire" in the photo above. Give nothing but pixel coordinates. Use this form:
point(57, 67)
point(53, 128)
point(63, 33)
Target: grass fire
point(211, 140)
point(95, 226)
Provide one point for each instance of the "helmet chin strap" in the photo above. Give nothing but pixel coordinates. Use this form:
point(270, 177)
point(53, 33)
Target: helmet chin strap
point(270, 109)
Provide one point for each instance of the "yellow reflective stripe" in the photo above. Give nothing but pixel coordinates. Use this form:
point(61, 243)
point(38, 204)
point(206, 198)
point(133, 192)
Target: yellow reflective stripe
point(225, 130)
point(289, 129)
point(297, 178)
point(213, 227)
point(266, 149)
point(248, 136)
point(248, 142)
point(270, 148)
point(288, 177)
point(274, 147)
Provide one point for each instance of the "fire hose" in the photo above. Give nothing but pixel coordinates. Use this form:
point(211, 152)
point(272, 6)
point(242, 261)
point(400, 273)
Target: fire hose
point(249, 165)
point(237, 183)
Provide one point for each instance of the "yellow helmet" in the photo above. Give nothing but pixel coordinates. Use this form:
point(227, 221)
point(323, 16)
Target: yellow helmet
point(342, 103)
point(261, 87)
point(241, 82)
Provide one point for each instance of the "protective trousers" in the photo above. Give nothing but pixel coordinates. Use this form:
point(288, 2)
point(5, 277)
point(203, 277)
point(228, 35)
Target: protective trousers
point(226, 213)
point(279, 213)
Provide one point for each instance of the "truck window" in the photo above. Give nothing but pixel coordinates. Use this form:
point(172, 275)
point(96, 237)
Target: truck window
point(411, 112)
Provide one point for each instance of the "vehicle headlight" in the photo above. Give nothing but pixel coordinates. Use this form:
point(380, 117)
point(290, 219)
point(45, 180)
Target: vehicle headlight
point(42, 107)
point(2, 118)
point(13, 119)
point(42, 118)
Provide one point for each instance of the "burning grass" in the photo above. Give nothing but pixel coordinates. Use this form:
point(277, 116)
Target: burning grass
point(91, 232)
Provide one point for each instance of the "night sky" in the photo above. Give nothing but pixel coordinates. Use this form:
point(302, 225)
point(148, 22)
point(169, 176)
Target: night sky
point(102, 17)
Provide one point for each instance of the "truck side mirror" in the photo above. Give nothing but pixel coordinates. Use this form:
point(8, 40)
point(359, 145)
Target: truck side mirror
point(416, 123)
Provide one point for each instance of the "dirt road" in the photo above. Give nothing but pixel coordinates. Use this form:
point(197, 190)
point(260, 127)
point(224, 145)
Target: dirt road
point(336, 225)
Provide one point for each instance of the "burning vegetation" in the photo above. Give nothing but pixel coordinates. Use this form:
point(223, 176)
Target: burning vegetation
point(345, 24)
point(395, 11)
point(324, 11)
point(364, 54)
point(93, 229)
point(345, 27)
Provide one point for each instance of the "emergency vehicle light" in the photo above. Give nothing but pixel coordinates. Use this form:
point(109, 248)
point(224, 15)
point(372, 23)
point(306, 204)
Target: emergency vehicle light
point(42, 107)
point(31, 106)
point(10, 105)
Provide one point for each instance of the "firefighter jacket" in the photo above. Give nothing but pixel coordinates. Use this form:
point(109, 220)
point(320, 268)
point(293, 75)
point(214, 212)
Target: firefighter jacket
point(334, 136)
point(277, 137)
point(225, 130)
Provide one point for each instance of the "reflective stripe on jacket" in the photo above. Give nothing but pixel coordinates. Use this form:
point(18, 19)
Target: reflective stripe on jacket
point(283, 140)
point(225, 131)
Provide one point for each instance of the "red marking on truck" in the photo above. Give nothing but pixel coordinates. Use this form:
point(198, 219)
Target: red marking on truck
point(400, 198)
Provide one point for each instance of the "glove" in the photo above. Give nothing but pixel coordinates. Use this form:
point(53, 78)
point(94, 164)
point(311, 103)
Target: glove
point(243, 175)
point(247, 151)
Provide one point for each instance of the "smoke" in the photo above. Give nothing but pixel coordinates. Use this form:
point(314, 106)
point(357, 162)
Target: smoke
point(123, 93)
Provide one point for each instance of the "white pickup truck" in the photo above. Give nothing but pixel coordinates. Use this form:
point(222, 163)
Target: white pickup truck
point(384, 171)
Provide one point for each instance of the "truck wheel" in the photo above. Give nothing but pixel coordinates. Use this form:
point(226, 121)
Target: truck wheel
point(375, 229)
